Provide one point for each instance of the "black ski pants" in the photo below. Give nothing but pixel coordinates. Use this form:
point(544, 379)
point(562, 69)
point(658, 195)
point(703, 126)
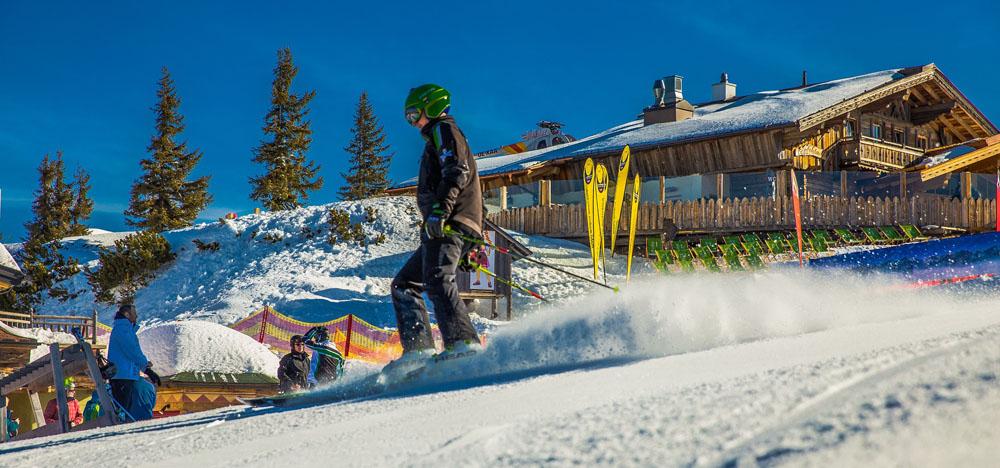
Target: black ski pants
point(432, 269)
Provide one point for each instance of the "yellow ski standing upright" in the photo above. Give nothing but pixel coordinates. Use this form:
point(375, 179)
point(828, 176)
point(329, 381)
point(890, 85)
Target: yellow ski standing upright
point(620, 182)
point(590, 206)
point(601, 179)
point(632, 221)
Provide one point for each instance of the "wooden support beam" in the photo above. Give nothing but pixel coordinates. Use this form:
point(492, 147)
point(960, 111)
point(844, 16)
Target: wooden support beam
point(100, 384)
point(57, 379)
point(503, 197)
point(902, 185)
point(924, 114)
point(36, 409)
point(961, 122)
point(663, 189)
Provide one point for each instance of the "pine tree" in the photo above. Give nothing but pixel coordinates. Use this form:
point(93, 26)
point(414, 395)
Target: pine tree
point(369, 163)
point(83, 206)
point(290, 176)
point(163, 198)
point(43, 264)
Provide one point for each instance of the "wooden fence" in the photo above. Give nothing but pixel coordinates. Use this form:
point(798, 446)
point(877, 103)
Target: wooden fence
point(56, 323)
point(761, 214)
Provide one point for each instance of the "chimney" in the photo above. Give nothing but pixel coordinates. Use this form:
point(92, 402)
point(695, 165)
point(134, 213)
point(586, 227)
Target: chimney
point(668, 102)
point(805, 82)
point(723, 90)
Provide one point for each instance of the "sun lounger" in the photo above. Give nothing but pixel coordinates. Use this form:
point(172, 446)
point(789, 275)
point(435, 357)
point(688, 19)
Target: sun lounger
point(731, 255)
point(847, 237)
point(874, 235)
point(911, 232)
point(706, 257)
point(892, 234)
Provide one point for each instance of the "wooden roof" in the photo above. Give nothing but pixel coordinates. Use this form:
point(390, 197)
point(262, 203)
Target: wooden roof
point(984, 159)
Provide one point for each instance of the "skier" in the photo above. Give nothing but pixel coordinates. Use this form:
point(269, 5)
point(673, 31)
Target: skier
point(93, 410)
point(327, 362)
point(448, 194)
point(135, 394)
point(293, 369)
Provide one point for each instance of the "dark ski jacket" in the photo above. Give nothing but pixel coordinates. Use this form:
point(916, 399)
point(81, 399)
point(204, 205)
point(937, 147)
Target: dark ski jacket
point(293, 369)
point(448, 175)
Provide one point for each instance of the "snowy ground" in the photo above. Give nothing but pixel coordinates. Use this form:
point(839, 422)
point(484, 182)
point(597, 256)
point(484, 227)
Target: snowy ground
point(782, 367)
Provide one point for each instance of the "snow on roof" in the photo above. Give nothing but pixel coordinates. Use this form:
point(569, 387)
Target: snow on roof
point(6, 259)
point(197, 346)
point(765, 109)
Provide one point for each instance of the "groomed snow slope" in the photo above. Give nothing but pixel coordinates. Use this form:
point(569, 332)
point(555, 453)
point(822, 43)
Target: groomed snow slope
point(773, 368)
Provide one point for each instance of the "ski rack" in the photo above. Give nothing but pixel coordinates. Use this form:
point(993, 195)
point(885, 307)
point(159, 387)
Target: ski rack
point(45, 371)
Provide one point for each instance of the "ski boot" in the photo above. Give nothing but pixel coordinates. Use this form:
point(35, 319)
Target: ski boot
point(405, 365)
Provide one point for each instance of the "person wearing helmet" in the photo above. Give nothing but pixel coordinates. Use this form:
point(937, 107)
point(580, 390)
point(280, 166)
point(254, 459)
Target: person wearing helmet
point(327, 363)
point(293, 369)
point(448, 195)
point(75, 416)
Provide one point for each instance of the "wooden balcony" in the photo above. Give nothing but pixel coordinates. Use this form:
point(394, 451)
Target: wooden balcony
point(882, 155)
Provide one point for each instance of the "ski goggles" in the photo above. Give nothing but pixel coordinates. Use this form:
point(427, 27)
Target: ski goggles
point(412, 115)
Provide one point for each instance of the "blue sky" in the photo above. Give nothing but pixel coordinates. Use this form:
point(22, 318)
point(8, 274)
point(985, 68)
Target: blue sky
point(81, 76)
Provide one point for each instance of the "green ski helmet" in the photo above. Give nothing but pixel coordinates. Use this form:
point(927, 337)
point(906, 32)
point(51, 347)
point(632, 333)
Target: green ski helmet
point(429, 99)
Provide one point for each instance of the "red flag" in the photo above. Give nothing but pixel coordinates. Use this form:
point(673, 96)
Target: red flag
point(798, 214)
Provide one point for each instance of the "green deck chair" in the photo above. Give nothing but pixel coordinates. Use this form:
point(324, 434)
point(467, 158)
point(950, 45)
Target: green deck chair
point(825, 235)
point(778, 243)
point(892, 234)
point(912, 232)
point(735, 241)
point(818, 244)
point(754, 261)
point(706, 257)
point(731, 254)
point(662, 260)
point(874, 235)
point(652, 245)
point(847, 237)
point(683, 254)
point(753, 240)
point(711, 243)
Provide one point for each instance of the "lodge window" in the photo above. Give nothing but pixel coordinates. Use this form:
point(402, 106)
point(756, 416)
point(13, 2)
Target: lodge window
point(899, 136)
point(541, 144)
point(876, 131)
point(848, 129)
point(557, 141)
point(922, 142)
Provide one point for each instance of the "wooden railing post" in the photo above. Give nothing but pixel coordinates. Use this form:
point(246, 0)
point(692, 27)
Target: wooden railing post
point(503, 198)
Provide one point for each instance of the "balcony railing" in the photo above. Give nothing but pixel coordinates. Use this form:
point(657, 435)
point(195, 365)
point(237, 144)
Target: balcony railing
point(884, 155)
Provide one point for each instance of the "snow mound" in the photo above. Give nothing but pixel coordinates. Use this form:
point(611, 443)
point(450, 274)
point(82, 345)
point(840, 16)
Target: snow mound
point(196, 346)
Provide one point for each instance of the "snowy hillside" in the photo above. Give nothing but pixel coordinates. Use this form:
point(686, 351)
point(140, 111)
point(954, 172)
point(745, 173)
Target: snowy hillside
point(283, 259)
point(783, 367)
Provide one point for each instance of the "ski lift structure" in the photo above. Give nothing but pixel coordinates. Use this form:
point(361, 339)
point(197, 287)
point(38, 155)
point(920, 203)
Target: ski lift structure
point(475, 287)
point(548, 134)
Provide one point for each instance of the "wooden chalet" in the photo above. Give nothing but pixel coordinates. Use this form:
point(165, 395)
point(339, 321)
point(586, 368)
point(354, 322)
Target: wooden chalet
point(890, 121)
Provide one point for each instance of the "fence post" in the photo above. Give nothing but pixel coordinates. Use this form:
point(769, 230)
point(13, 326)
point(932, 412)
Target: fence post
point(93, 329)
point(350, 328)
point(263, 324)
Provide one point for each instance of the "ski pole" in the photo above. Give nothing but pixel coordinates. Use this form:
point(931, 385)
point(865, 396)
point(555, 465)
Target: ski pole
point(512, 284)
point(448, 230)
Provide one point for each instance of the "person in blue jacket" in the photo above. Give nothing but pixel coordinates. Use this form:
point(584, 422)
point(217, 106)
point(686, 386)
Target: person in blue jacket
point(135, 394)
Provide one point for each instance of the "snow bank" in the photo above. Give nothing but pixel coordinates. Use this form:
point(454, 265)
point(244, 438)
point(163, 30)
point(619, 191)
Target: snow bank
point(196, 346)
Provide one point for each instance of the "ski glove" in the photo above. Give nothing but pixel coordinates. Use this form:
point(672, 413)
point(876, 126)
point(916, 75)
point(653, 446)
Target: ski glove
point(435, 222)
point(153, 376)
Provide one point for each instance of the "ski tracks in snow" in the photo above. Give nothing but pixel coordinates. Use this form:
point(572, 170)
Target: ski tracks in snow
point(854, 406)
